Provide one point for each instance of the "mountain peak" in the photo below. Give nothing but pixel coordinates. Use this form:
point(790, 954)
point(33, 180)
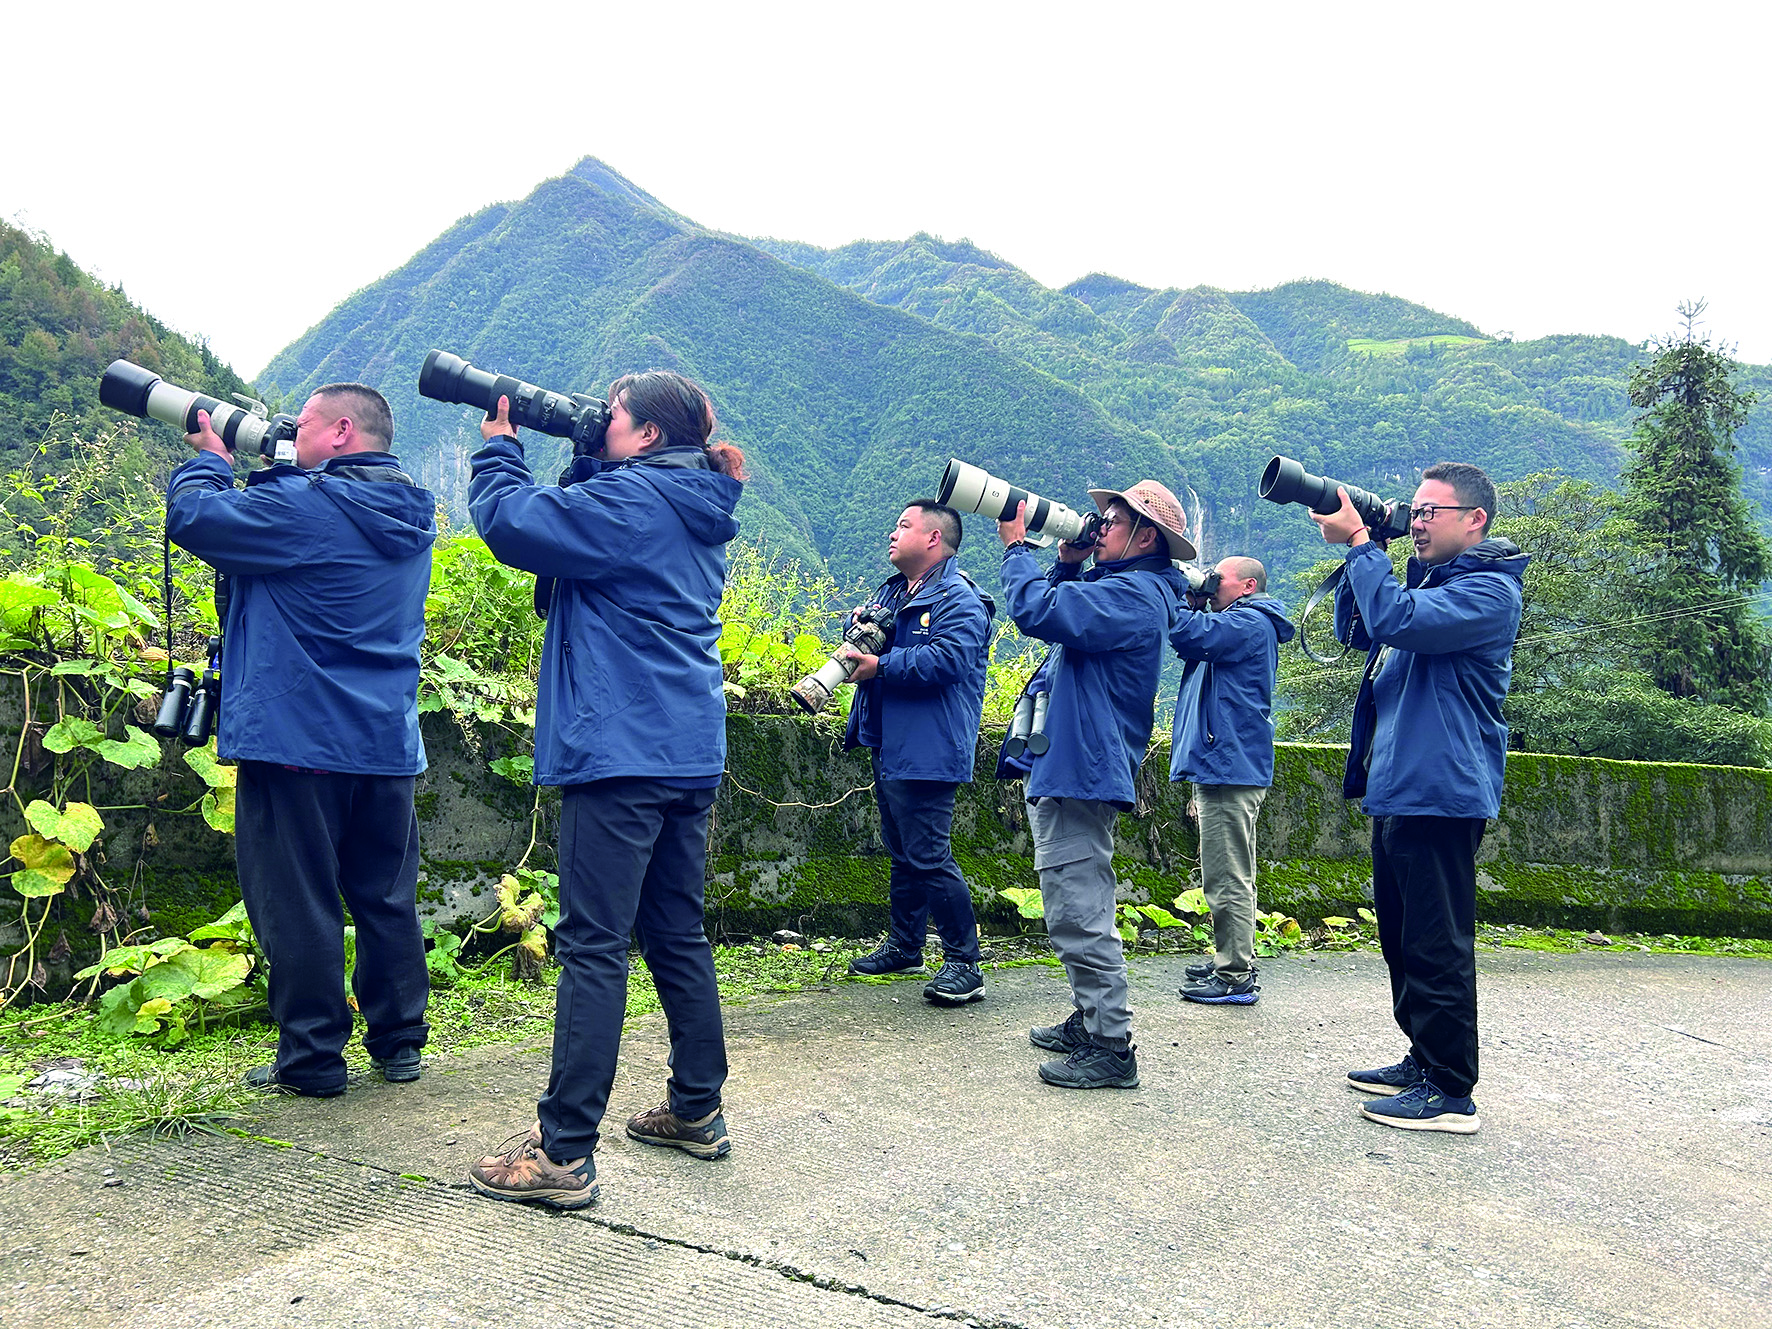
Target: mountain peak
point(610, 181)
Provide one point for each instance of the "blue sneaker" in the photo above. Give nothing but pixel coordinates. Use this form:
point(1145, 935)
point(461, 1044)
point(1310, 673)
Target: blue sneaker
point(1216, 990)
point(1421, 1107)
point(1388, 1079)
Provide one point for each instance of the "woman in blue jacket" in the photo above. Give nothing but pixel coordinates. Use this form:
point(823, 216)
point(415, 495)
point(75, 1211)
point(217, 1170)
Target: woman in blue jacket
point(631, 723)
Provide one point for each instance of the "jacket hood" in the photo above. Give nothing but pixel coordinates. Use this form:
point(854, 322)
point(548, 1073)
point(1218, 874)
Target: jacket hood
point(396, 516)
point(704, 499)
point(1263, 603)
point(1492, 555)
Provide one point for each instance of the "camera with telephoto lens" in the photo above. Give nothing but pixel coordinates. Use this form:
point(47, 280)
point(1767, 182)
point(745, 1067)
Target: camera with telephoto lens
point(1285, 481)
point(870, 633)
point(973, 489)
point(581, 418)
point(1202, 583)
point(141, 392)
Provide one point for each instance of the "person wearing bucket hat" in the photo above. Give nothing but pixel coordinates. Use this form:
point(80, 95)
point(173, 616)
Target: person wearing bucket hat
point(1107, 626)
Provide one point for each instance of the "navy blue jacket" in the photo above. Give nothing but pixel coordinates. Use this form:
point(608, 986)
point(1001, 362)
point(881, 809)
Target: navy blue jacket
point(329, 570)
point(1440, 654)
point(921, 711)
point(630, 668)
point(1107, 626)
point(1224, 723)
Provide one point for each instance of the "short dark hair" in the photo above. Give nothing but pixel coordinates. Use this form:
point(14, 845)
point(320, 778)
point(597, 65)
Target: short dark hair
point(943, 518)
point(1473, 487)
point(1250, 568)
point(367, 408)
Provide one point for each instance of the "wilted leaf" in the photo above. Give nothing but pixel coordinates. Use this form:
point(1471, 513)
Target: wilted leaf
point(76, 826)
point(1026, 899)
point(218, 808)
point(1367, 915)
point(138, 749)
point(209, 769)
point(47, 866)
point(1193, 902)
point(1337, 922)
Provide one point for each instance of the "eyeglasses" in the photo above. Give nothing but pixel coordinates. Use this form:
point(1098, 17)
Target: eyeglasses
point(1108, 523)
point(1426, 513)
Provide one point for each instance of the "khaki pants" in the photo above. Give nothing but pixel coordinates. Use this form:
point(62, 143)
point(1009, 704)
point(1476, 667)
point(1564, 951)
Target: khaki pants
point(1227, 871)
point(1074, 854)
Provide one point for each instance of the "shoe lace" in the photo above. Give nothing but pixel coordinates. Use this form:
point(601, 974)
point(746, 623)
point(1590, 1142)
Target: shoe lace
point(514, 1148)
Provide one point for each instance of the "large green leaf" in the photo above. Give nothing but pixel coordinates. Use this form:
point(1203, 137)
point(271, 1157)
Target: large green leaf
point(76, 825)
point(117, 1009)
point(133, 959)
point(231, 926)
point(213, 773)
point(171, 979)
point(73, 732)
point(212, 970)
point(138, 749)
point(1026, 899)
point(218, 809)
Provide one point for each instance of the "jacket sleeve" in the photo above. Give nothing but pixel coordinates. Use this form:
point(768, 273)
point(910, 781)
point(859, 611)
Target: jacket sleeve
point(1107, 615)
point(587, 532)
point(1470, 612)
point(241, 532)
point(956, 644)
point(1213, 637)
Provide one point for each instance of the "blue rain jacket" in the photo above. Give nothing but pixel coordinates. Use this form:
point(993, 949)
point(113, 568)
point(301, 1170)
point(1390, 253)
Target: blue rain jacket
point(1440, 653)
point(1224, 723)
point(921, 711)
point(1107, 626)
point(329, 570)
point(630, 669)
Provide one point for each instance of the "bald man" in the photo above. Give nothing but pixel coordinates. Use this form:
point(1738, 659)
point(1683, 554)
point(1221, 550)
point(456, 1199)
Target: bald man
point(1224, 743)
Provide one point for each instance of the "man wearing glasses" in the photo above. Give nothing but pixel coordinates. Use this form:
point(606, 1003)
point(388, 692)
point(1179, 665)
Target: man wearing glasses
point(1429, 747)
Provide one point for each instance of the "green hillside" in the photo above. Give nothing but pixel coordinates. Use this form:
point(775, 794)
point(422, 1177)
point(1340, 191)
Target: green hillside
point(845, 407)
point(59, 328)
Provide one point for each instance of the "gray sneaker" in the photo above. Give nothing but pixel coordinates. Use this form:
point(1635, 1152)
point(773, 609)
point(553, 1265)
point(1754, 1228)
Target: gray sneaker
point(1066, 1036)
point(1207, 968)
point(1092, 1066)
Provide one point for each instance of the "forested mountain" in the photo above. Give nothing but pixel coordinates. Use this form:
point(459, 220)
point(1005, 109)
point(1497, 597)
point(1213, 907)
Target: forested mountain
point(59, 328)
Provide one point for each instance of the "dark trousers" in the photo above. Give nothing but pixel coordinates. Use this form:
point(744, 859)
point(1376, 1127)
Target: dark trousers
point(633, 859)
point(916, 821)
point(302, 841)
point(1424, 889)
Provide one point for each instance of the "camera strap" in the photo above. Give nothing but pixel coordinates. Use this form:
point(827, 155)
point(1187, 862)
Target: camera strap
point(1326, 589)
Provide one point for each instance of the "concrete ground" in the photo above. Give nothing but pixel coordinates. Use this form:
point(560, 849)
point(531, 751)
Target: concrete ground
point(894, 1164)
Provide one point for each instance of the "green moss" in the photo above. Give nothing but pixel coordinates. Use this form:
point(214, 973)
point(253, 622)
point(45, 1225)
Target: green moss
point(426, 805)
point(180, 901)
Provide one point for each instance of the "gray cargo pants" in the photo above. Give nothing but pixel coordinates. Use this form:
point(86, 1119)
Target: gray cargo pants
point(1227, 871)
point(1074, 854)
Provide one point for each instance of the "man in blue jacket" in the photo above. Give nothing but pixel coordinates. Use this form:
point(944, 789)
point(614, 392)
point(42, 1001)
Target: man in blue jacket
point(1428, 751)
point(1224, 743)
point(1107, 627)
point(917, 708)
point(328, 562)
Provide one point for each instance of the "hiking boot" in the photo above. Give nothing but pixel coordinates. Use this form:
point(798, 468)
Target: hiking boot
point(265, 1078)
point(886, 958)
point(525, 1174)
point(398, 1066)
point(1421, 1107)
point(1065, 1037)
point(1217, 990)
point(1091, 1066)
point(1207, 968)
point(958, 983)
point(1388, 1079)
point(705, 1137)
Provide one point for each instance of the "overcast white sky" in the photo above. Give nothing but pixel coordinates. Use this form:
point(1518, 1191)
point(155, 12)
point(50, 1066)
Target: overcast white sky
point(1536, 168)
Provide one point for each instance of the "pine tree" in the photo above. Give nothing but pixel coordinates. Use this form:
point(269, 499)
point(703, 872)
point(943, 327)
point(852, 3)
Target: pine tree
point(1701, 558)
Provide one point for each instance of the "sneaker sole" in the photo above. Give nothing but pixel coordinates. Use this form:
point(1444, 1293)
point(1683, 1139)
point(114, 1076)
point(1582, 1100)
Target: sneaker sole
point(1371, 1087)
point(1237, 999)
point(552, 1199)
point(406, 1076)
point(1450, 1123)
point(706, 1152)
point(951, 999)
point(1130, 1082)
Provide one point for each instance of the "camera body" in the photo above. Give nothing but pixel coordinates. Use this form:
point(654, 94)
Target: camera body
point(583, 419)
point(129, 388)
point(1202, 583)
point(1285, 481)
point(870, 633)
point(973, 489)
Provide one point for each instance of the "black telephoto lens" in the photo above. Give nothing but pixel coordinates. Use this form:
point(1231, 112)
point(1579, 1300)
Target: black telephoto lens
point(1285, 481)
point(583, 419)
point(171, 717)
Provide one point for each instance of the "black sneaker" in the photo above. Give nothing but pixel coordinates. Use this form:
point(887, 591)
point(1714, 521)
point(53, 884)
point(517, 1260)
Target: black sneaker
point(885, 959)
point(958, 983)
point(1388, 1079)
point(1065, 1037)
point(1207, 968)
point(1421, 1107)
point(1218, 991)
point(705, 1137)
point(265, 1078)
point(398, 1066)
point(1092, 1066)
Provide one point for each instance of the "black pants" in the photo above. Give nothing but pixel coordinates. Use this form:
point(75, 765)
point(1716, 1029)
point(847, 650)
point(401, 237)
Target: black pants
point(301, 841)
point(633, 859)
point(916, 822)
point(1424, 888)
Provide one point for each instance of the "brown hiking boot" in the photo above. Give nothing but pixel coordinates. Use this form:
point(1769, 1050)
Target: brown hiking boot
point(704, 1137)
point(524, 1173)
